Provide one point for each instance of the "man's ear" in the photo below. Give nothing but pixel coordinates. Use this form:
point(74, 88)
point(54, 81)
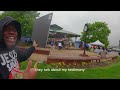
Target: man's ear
point(18, 35)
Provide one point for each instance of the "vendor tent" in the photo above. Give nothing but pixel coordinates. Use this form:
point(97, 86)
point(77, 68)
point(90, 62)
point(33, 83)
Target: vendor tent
point(98, 43)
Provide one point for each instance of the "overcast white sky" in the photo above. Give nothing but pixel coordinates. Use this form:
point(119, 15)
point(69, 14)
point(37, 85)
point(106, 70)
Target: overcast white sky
point(74, 21)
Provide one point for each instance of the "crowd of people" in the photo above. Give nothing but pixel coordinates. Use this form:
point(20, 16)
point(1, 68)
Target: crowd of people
point(59, 44)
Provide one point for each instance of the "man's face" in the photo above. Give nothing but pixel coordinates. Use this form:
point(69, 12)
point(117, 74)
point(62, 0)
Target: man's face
point(10, 35)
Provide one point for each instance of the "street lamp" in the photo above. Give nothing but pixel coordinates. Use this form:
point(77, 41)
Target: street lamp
point(85, 29)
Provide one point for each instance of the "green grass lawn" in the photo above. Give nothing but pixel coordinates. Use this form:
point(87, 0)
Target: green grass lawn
point(111, 71)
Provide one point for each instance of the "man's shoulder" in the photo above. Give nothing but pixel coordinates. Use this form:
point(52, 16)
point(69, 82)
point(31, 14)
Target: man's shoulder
point(16, 48)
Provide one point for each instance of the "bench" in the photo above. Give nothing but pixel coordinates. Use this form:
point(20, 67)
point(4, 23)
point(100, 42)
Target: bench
point(72, 59)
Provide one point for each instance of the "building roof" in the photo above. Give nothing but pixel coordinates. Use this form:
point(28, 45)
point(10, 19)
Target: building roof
point(57, 29)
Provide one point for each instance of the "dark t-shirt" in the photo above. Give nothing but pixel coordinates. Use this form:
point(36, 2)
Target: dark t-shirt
point(10, 59)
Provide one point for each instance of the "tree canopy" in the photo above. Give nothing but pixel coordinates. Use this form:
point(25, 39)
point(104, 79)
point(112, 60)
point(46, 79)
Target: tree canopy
point(26, 18)
point(97, 31)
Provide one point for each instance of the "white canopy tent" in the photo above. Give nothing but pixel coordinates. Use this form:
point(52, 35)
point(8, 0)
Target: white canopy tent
point(98, 43)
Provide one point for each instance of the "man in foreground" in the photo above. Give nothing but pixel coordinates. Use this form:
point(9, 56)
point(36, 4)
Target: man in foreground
point(10, 55)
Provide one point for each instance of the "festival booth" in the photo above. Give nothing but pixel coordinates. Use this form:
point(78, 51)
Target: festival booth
point(97, 43)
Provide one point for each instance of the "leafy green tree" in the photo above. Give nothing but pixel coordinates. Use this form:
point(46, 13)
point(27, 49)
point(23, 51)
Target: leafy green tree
point(97, 31)
point(26, 18)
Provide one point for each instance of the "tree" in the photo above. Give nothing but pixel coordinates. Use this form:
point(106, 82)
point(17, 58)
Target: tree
point(26, 18)
point(97, 31)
